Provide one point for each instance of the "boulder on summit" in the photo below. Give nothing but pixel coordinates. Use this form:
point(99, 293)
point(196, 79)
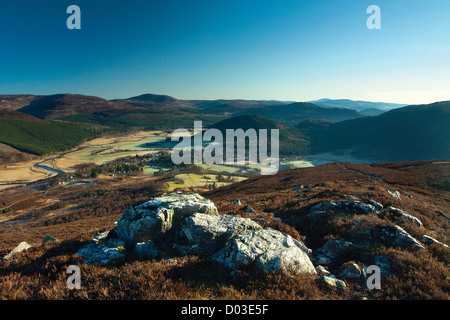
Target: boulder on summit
point(191, 224)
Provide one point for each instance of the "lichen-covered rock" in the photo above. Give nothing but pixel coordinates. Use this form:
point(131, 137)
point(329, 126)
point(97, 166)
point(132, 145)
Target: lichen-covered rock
point(154, 218)
point(395, 236)
point(378, 206)
point(394, 194)
point(333, 282)
point(321, 270)
point(350, 197)
point(249, 209)
point(352, 271)
point(320, 259)
point(429, 240)
point(266, 249)
point(21, 247)
point(207, 233)
point(345, 207)
point(186, 202)
point(111, 252)
point(101, 237)
point(400, 213)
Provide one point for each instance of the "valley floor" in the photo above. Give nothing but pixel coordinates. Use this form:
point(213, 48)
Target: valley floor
point(75, 195)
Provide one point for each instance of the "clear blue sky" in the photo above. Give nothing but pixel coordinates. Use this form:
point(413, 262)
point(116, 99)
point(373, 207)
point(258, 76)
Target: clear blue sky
point(208, 49)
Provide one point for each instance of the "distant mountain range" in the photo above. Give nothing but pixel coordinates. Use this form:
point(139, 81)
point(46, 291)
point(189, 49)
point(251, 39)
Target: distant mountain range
point(393, 132)
point(294, 113)
point(149, 109)
point(365, 108)
point(419, 132)
point(356, 105)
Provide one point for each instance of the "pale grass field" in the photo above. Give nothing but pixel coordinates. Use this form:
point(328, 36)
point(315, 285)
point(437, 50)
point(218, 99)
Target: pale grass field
point(105, 149)
point(21, 172)
point(131, 144)
point(219, 168)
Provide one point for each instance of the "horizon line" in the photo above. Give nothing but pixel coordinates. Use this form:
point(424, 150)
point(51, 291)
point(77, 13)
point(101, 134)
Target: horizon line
point(216, 99)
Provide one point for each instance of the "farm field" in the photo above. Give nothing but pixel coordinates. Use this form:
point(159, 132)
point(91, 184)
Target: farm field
point(105, 149)
point(20, 172)
point(98, 151)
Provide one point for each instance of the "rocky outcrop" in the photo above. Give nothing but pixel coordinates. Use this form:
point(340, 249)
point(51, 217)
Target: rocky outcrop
point(332, 281)
point(21, 247)
point(249, 209)
point(190, 224)
point(429, 240)
point(378, 206)
point(267, 249)
point(352, 271)
point(342, 207)
point(101, 237)
point(154, 218)
point(400, 213)
point(394, 194)
point(113, 251)
point(395, 236)
point(321, 270)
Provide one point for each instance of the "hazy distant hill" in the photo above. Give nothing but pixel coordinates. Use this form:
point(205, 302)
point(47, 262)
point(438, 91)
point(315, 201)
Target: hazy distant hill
point(288, 113)
point(236, 103)
point(156, 98)
point(294, 113)
point(371, 112)
point(419, 132)
point(356, 105)
point(153, 110)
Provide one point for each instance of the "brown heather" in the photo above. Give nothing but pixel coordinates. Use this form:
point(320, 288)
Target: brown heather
point(74, 215)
